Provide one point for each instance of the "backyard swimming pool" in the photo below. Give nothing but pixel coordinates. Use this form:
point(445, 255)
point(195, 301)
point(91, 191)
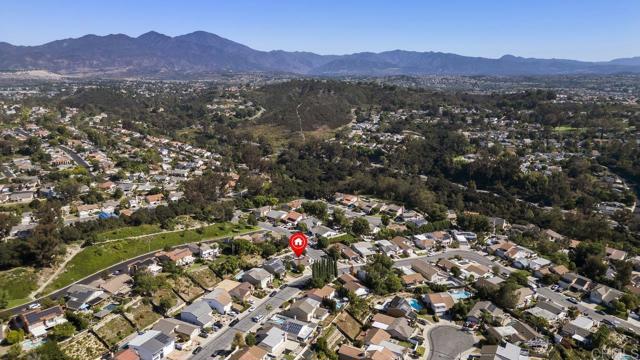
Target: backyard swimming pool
point(415, 304)
point(460, 294)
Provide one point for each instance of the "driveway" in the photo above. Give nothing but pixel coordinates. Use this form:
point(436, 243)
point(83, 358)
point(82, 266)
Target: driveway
point(447, 342)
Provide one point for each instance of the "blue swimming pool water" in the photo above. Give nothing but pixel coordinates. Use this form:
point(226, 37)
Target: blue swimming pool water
point(415, 304)
point(460, 294)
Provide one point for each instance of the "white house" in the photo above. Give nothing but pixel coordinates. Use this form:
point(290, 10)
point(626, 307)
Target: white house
point(153, 345)
point(219, 300)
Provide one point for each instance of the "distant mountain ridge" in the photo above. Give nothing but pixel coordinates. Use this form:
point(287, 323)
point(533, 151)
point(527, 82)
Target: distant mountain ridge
point(157, 55)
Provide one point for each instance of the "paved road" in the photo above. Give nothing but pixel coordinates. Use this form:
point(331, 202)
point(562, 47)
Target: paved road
point(122, 267)
point(74, 155)
point(560, 299)
point(447, 342)
point(224, 338)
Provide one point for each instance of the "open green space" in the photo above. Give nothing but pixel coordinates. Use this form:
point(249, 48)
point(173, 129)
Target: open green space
point(18, 284)
point(129, 231)
point(94, 258)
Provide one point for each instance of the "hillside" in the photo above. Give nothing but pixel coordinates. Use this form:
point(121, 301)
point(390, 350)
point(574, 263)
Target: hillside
point(154, 55)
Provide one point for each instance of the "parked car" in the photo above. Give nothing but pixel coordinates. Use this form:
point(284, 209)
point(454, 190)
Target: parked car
point(573, 300)
point(34, 306)
point(197, 350)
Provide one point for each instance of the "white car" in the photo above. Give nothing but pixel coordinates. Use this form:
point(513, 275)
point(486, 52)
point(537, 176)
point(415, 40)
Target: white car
point(34, 306)
point(252, 308)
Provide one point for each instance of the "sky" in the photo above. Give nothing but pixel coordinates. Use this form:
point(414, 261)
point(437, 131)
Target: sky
point(572, 29)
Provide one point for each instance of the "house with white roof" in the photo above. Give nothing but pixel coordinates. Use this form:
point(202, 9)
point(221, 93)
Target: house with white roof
point(153, 345)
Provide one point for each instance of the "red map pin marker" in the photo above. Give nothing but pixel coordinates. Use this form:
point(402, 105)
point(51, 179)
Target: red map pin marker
point(297, 243)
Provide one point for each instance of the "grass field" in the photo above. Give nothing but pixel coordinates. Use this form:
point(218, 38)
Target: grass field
point(142, 315)
point(94, 258)
point(129, 231)
point(565, 128)
point(85, 346)
point(204, 277)
point(18, 284)
point(116, 329)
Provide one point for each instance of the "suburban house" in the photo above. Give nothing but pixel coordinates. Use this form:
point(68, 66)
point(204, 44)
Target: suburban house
point(249, 353)
point(204, 251)
point(524, 297)
point(219, 300)
point(440, 303)
point(357, 288)
point(574, 282)
point(272, 340)
point(128, 354)
point(347, 252)
point(299, 330)
point(241, 292)
point(428, 271)
point(117, 285)
point(364, 249)
point(422, 242)
point(326, 292)
point(404, 244)
point(152, 345)
point(154, 200)
point(400, 307)
point(294, 217)
point(181, 257)
point(275, 266)
point(414, 279)
point(602, 294)
point(305, 310)
point(81, 297)
point(400, 329)
point(549, 311)
point(615, 254)
point(507, 351)
point(480, 308)
point(258, 277)
point(177, 328)
point(85, 211)
point(38, 322)
point(579, 329)
point(198, 313)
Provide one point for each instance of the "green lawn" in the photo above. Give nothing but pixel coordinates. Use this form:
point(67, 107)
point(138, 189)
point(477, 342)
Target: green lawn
point(565, 128)
point(129, 231)
point(100, 256)
point(18, 283)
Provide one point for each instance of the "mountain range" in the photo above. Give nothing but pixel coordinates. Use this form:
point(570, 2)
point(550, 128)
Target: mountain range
point(155, 55)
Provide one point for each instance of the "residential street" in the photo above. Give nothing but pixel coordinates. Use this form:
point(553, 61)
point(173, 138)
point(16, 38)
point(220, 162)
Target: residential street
point(560, 299)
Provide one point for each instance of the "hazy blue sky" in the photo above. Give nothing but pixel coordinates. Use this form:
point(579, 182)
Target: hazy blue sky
point(577, 29)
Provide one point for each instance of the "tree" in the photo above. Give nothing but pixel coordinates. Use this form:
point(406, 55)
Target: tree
point(14, 336)
point(323, 242)
point(455, 271)
point(238, 340)
point(50, 351)
point(385, 219)
point(44, 244)
point(4, 299)
point(62, 331)
point(360, 226)
point(78, 321)
point(600, 338)
point(14, 352)
point(252, 220)
point(250, 339)
point(6, 223)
